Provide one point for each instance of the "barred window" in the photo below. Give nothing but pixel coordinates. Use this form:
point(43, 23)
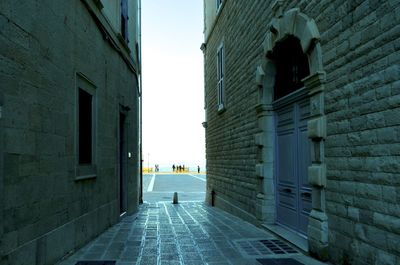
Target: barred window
point(291, 66)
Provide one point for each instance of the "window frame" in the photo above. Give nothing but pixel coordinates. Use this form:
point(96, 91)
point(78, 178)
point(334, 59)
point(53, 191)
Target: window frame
point(218, 4)
point(221, 77)
point(85, 171)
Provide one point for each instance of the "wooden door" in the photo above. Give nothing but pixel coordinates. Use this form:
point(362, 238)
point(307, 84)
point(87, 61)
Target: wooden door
point(293, 194)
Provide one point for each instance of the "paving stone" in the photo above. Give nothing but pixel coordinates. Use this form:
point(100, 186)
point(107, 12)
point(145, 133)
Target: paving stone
point(212, 248)
point(148, 260)
point(170, 262)
point(168, 256)
point(193, 262)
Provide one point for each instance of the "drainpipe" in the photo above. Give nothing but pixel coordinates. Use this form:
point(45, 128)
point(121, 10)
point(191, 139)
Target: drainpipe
point(141, 96)
point(212, 198)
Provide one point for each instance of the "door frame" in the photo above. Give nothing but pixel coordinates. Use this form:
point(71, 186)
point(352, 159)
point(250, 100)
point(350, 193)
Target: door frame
point(122, 161)
point(292, 22)
point(2, 153)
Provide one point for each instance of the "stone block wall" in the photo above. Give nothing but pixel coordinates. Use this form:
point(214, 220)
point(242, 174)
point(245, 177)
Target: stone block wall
point(231, 151)
point(46, 212)
point(360, 55)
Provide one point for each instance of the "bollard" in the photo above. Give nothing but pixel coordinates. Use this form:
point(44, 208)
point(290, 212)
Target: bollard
point(175, 199)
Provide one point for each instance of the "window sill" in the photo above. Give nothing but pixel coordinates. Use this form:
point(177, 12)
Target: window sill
point(85, 177)
point(85, 172)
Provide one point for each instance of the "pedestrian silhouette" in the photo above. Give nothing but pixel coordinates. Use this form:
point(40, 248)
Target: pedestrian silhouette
point(198, 169)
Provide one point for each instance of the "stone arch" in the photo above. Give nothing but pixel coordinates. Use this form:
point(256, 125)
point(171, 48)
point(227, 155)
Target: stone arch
point(293, 23)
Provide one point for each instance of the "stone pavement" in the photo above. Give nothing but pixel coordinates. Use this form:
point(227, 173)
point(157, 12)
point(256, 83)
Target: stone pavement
point(186, 233)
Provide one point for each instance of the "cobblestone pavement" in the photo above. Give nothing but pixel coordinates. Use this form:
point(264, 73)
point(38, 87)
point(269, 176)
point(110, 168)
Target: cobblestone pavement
point(186, 233)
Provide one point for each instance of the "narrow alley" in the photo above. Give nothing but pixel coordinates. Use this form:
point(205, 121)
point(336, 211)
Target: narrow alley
point(272, 126)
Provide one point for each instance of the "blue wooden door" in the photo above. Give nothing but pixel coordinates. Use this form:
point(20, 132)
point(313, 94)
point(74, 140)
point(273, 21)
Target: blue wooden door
point(293, 194)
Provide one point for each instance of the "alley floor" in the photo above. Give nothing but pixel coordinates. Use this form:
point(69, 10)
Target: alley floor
point(186, 233)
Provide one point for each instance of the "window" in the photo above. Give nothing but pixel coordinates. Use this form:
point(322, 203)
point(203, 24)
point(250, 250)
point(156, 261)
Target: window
point(219, 4)
point(124, 19)
point(220, 78)
point(291, 66)
point(85, 130)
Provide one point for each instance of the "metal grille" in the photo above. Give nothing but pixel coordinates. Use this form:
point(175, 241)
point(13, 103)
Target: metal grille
point(96, 262)
point(279, 262)
point(257, 248)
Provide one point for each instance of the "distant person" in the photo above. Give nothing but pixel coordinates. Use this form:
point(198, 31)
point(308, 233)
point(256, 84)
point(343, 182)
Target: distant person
point(173, 168)
point(198, 169)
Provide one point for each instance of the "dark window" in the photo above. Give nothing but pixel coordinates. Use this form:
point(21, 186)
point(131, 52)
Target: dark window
point(85, 127)
point(124, 19)
point(291, 66)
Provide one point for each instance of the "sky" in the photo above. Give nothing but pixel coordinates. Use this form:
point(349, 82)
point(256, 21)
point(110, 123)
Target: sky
point(173, 86)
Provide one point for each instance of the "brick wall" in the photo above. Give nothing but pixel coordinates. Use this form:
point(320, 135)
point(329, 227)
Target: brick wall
point(46, 211)
point(360, 52)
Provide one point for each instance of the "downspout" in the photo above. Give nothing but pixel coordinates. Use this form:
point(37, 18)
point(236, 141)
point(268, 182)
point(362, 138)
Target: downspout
point(141, 97)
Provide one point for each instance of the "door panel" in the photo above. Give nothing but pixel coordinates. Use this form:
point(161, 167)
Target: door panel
point(293, 159)
point(285, 154)
point(286, 182)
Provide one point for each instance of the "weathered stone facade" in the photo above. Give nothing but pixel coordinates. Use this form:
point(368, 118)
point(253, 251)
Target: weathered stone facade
point(353, 126)
point(51, 204)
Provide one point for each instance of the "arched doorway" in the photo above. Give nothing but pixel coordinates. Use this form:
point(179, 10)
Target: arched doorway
point(292, 146)
point(292, 133)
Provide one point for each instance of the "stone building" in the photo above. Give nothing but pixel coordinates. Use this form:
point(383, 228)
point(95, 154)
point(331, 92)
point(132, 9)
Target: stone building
point(302, 104)
point(69, 116)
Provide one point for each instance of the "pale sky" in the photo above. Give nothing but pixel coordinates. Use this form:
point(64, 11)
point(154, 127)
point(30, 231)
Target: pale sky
point(173, 90)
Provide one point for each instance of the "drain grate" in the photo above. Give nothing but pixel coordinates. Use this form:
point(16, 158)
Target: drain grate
point(279, 262)
point(258, 248)
point(96, 262)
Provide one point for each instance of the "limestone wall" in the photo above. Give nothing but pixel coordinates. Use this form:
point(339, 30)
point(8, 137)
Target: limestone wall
point(47, 210)
point(360, 55)
point(362, 103)
point(231, 152)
